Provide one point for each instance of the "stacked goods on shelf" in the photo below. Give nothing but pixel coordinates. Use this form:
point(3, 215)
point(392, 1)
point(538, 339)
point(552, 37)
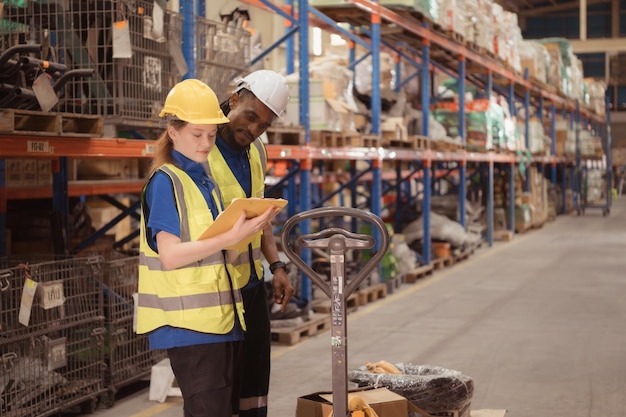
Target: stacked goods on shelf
point(538, 142)
point(595, 97)
point(133, 50)
point(488, 124)
point(430, 9)
point(332, 106)
point(536, 58)
point(594, 186)
point(452, 17)
point(222, 53)
point(479, 30)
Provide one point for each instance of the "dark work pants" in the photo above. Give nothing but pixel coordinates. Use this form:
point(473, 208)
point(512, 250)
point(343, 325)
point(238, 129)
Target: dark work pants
point(208, 376)
point(255, 376)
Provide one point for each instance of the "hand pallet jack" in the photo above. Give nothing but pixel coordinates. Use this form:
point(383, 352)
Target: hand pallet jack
point(337, 241)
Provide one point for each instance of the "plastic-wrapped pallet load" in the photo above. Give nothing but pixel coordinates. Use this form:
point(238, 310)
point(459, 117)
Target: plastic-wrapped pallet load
point(452, 16)
point(431, 388)
point(533, 55)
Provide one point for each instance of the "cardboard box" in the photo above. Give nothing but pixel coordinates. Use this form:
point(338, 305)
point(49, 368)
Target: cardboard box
point(383, 401)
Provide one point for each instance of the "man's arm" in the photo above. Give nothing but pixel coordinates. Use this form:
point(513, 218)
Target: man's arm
point(283, 290)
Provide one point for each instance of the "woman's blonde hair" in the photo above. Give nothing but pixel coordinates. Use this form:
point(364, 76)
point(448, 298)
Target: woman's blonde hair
point(164, 146)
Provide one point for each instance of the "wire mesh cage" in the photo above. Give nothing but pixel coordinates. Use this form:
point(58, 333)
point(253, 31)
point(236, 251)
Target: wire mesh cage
point(128, 356)
point(222, 54)
point(35, 298)
point(52, 372)
point(128, 80)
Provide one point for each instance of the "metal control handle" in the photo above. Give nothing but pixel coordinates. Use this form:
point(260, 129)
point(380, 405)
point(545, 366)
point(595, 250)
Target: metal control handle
point(337, 241)
point(325, 239)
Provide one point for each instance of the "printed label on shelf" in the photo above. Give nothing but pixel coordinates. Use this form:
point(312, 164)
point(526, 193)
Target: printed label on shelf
point(149, 150)
point(26, 304)
point(39, 146)
point(51, 294)
point(56, 355)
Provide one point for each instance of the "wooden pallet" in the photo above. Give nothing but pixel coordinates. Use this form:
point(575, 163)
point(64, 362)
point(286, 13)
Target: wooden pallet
point(446, 145)
point(503, 235)
point(393, 284)
point(317, 323)
point(371, 293)
point(440, 263)
point(421, 142)
point(417, 273)
point(521, 228)
point(285, 135)
point(370, 141)
point(332, 139)
point(323, 306)
point(37, 123)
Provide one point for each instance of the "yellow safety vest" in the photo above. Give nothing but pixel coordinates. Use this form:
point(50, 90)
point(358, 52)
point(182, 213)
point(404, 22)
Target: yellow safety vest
point(230, 189)
point(202, 296)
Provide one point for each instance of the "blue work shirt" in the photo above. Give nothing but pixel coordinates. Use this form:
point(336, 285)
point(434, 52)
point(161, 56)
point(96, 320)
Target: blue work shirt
point(239, 163)
point(164, 217)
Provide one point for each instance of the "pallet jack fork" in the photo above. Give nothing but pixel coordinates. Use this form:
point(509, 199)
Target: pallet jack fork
point(337, 241)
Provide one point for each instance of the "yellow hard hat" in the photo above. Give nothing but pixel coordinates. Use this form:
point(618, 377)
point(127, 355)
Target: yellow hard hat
point(195, 102)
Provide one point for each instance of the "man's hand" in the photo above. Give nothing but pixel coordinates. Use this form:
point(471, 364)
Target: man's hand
point(283, 290)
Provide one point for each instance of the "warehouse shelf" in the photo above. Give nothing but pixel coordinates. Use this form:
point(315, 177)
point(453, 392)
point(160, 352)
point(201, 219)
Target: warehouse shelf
point(411, 37)
point(27, 146)
point(78, 189)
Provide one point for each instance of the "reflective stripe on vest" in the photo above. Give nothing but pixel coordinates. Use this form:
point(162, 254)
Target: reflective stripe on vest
point(200, 296)
point(230, 189)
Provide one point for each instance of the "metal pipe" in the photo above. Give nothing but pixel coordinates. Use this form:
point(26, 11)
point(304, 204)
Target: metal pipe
point(18, 49)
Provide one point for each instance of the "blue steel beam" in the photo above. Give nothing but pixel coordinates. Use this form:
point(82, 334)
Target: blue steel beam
point(376, 97)
point(356, 62)
point(287, 36)
point(60, 197)
point(609, 162)
point(189, 18)
point(463, 134)
point(512, 197)
point(281, 12)
point(290, 44)
point(563, 188)
point(346, 33)
point(354, 179)
point(490, 203)
point(426, 244)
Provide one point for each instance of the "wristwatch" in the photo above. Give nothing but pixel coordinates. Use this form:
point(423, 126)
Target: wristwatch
point(278, 264)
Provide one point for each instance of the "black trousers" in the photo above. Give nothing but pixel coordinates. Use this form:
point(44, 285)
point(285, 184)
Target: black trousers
point(255, 379)
point(209, 378)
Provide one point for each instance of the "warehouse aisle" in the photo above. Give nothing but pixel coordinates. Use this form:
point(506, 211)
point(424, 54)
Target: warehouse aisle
point(538, 323)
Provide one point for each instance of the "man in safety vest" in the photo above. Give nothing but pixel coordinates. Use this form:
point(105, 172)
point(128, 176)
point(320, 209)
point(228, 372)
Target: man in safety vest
point(237, 164)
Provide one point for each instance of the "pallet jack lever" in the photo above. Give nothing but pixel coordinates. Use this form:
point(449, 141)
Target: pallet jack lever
point(337, 241)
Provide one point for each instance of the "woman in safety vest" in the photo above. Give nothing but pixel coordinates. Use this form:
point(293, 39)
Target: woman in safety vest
point(189, 299)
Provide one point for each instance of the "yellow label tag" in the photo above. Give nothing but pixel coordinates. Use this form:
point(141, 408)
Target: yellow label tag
point(26, 304)
point(121, 25)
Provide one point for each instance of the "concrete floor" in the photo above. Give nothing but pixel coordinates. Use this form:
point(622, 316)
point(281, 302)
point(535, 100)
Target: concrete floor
point(538, 323)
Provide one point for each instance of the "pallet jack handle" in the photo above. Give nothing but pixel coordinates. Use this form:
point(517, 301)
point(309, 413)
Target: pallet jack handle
point(337, 241)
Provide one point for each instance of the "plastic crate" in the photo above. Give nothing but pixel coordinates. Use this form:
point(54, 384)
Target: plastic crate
point(52, 372)
point(67, 292)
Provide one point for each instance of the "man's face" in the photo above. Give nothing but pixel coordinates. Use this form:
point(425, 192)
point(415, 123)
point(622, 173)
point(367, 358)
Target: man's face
point(249, 118)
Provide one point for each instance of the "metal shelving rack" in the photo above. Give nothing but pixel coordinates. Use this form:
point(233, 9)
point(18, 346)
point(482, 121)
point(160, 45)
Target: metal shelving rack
point(417, 43)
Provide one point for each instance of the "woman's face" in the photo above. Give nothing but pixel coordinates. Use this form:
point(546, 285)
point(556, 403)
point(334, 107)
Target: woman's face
point(194, 141)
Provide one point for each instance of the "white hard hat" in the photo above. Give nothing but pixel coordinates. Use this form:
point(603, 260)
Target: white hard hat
point(269, 87)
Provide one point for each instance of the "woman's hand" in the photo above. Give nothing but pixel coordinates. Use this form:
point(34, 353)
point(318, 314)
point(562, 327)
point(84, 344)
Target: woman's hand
point(244, 227)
